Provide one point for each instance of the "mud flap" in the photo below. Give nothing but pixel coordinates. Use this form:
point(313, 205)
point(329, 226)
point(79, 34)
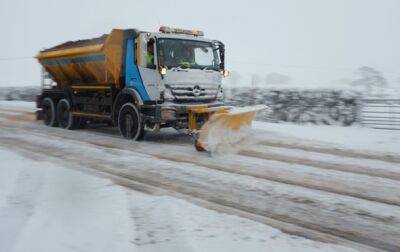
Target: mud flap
point(39, 114)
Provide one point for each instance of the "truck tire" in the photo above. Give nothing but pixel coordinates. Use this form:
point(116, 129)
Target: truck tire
point(130, 122)
point(64, 115)
point(49, 112)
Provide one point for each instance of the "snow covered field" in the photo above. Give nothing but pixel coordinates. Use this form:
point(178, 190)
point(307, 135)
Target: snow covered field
point(79, 190)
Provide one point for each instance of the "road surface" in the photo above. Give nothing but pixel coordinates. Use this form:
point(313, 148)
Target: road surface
point(347, 197)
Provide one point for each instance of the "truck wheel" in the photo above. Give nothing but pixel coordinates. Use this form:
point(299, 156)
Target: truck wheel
point(49, 112)
point(64, 115)
point(130, 123)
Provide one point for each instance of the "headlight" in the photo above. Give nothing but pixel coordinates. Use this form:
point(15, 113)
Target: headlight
point(168, 96)
point(163, 71)
point(225, 73)
point(220, 94)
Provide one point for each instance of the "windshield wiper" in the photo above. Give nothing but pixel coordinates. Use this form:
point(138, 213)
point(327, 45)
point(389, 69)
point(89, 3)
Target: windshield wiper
point(178, 68)
point(209, 68)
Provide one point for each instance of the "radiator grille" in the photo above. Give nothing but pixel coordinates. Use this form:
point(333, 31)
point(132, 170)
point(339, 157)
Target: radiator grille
point(194, 92)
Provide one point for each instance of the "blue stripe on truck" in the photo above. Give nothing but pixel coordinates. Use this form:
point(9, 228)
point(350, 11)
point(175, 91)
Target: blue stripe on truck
point(132, 74)
point(81, 59)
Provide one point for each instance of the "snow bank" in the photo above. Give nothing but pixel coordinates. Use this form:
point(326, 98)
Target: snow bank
point(44, 207)
point(356, 137)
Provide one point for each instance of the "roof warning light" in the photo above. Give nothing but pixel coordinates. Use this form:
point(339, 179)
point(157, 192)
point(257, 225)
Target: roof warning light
point(166, 29)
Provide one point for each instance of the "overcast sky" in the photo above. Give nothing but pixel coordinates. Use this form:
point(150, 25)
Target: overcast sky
point(314, 41)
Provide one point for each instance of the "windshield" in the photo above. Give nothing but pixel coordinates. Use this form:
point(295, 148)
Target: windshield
point(188, 54)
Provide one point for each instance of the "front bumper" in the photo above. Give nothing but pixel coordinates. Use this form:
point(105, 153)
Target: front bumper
point(173, 114)
point(182, 108)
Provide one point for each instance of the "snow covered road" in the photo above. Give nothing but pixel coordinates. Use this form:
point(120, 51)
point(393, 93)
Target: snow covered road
point(45, 207)
point(342, 195)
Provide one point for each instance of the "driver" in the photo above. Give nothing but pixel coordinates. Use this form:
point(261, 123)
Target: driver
point(186, 58)
point(150, 55)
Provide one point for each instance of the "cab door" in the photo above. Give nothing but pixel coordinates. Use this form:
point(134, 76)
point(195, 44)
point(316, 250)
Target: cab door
point(147, 64)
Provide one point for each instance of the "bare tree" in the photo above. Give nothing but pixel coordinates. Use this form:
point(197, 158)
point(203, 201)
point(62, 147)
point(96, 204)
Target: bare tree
point(369, 78)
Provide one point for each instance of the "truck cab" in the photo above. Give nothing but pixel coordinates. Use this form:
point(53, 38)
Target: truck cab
point(180, 66)
point(179, 69)
point(138, 81)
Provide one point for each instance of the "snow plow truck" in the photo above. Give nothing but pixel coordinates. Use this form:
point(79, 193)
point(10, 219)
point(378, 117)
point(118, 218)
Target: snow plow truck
point(139, 81)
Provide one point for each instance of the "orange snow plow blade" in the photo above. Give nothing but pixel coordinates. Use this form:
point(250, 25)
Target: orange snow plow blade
point(224, 126)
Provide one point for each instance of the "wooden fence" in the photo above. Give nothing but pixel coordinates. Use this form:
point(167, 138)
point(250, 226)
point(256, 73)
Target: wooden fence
point(380, 113)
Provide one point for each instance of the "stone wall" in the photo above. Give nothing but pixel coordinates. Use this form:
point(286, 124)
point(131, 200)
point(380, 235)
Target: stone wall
point(330, 107)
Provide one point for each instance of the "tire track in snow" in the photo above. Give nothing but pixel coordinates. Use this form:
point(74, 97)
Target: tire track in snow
point(320, 148)
point(321, 160)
